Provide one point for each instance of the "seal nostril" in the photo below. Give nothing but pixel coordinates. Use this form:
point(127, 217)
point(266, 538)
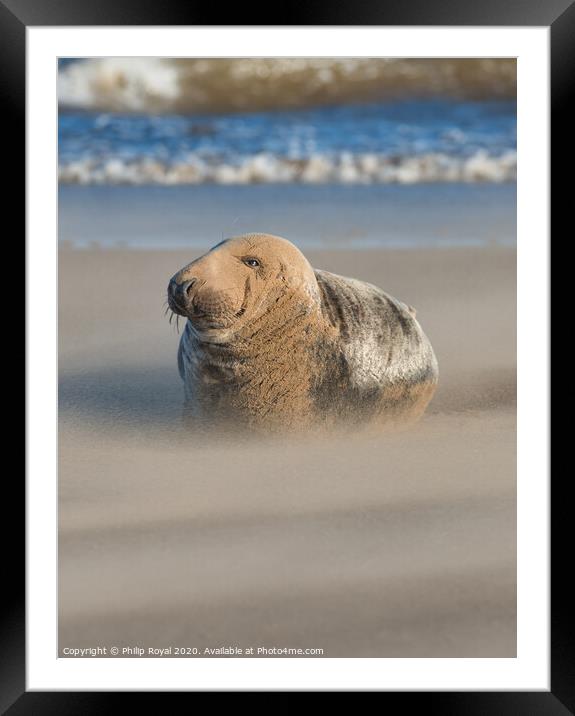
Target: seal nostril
point(187, 287)
point(182, 291)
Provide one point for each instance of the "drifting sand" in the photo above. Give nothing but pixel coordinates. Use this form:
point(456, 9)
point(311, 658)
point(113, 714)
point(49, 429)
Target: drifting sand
point(397, 546)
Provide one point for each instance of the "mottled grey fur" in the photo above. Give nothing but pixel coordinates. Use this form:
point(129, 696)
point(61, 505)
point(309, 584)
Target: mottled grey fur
point(382, 356)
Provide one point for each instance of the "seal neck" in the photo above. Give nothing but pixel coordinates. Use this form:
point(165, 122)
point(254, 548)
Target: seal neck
point(265, 372)
point(289, 320)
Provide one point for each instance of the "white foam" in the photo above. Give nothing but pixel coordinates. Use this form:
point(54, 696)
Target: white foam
point(267, 168)
point(133, 83)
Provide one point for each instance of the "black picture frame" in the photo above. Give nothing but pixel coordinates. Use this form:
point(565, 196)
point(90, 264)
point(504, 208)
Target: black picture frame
point(15, 17)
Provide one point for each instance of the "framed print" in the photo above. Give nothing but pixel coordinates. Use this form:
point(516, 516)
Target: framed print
point(288, 391)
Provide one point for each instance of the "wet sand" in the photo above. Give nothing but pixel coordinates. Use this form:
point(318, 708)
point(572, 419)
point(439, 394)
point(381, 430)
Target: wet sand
point(401, 545)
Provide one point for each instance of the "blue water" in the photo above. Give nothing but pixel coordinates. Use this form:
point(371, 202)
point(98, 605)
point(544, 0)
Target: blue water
point(101, 147)
point(324, 216)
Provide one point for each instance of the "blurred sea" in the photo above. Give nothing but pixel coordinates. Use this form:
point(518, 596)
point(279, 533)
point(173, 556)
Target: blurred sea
point(154, 121)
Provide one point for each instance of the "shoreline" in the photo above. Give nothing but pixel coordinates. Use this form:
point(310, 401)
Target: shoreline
point(311, 216)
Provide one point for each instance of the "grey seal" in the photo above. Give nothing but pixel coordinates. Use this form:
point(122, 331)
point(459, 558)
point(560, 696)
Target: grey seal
point(270, 342)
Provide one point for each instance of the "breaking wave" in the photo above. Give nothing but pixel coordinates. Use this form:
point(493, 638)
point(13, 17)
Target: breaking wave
point(160, 85)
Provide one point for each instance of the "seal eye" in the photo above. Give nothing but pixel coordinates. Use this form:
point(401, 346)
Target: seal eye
point(254, 263)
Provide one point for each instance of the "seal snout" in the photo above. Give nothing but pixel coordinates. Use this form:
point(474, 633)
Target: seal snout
point(194, 298)
point(180, 295)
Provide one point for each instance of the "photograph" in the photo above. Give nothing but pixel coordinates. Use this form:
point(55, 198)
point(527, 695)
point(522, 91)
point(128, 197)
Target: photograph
point(287, 357)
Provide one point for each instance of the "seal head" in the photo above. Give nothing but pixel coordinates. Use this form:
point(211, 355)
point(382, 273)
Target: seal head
point(239, 280)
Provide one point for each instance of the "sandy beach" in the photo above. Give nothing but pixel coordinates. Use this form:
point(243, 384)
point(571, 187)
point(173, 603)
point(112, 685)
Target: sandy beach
point(401, 545)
